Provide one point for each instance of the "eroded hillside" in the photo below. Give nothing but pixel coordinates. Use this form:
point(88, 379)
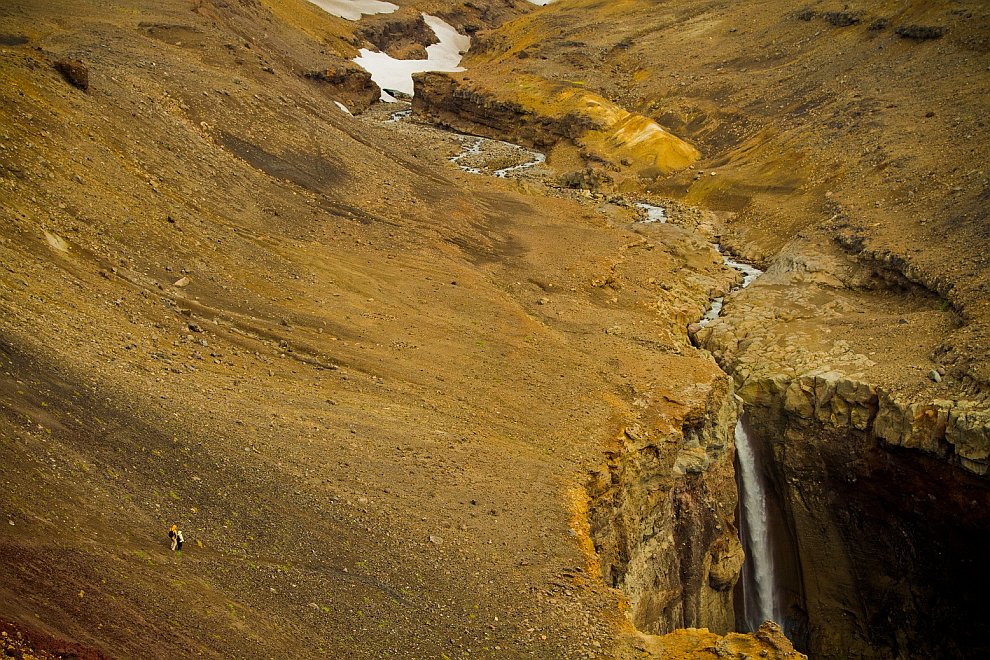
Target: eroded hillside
point(399, 409)
point(368, 387)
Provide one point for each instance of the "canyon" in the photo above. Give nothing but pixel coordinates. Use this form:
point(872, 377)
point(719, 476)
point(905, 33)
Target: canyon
point(467, 374)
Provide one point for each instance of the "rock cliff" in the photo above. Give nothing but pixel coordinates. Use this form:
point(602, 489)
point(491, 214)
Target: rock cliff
point(661, 514)
point(876, 455)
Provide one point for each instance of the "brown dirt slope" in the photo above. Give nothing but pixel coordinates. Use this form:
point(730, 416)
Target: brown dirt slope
point(318, 349)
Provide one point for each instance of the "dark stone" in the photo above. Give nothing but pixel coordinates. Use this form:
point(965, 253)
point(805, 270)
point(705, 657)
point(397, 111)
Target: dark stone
point(75, 72)
point(841, 18)
point(879, 24)
point(12, 40)
point(920, 32)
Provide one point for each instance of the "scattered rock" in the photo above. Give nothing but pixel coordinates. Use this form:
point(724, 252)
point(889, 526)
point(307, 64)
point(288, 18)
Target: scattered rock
point(841, 18)
point(920, 32)
point(935, 376)
point(182, 281)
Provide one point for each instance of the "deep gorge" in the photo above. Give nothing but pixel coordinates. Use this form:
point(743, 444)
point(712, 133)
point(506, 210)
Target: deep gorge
point(881, 549)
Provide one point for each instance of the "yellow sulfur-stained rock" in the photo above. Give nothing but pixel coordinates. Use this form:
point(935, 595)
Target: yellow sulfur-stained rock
point(700, 643)
point(542, 113)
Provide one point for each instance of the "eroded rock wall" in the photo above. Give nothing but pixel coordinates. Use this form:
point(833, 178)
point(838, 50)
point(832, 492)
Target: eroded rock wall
point(878, 465)
point(662, 511)
point(956, 431)
point(883, 546)
point(619, 145)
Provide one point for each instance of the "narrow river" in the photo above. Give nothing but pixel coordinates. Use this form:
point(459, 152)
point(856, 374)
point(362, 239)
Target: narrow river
point(758, 583)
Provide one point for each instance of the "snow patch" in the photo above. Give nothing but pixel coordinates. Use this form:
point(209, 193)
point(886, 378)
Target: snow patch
point(390, 73)
point(352, 10)
point(343, 108)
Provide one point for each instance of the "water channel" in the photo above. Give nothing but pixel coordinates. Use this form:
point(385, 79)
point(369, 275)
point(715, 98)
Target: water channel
point(760, 595)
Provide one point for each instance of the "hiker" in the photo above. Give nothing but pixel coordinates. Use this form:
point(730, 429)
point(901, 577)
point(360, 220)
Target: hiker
point(173, 535)
point(178, 539)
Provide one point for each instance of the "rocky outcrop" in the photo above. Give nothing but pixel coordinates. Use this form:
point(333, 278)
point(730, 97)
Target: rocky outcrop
point(957, 431)
point(777, 346)
point(439, 97)
point(878, 469)
point(661, 513)
point(542, 114)
point(348, 82)
point(701, 644)
point(403, 34)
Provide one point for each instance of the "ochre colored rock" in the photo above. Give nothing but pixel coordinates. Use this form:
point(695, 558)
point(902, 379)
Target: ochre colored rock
point(349, 82)
point(661, 517)
point(700, 644)
point(538, 112)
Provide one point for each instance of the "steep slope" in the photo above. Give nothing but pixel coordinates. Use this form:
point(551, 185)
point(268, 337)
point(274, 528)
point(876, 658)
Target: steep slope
point(368, 388)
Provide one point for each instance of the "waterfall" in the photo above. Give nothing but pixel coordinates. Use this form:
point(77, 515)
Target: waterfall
point(759, 584)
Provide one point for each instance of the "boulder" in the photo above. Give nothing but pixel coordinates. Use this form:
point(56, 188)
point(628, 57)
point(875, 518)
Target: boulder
point(74, 71)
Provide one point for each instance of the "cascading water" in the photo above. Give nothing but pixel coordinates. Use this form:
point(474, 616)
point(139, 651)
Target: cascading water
point(759, 585)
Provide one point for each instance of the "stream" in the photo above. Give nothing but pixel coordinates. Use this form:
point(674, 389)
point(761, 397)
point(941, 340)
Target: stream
point(472, 145)
point(749, 274)
point(758, 582)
